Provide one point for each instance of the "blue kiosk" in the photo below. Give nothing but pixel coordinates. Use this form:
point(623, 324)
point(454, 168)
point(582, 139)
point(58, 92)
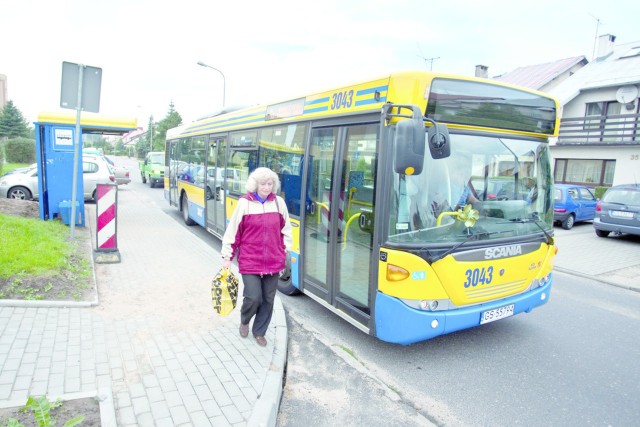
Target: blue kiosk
point(55, 138)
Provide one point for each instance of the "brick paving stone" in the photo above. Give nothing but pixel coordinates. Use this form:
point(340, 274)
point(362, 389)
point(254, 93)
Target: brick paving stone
point(160, 410)
point(179, 414)
point(200, 419)
point(140, 405)
point(232, 414)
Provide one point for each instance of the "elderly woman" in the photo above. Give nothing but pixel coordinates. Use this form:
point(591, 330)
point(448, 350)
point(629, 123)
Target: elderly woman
point(259, 236)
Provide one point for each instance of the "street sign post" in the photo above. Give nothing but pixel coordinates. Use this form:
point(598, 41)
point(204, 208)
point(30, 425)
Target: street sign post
point(80, 90)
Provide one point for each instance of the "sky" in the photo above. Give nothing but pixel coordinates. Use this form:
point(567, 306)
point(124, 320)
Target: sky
point(271, 51)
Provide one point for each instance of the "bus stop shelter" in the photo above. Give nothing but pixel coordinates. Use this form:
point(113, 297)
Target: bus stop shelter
point(55, 147)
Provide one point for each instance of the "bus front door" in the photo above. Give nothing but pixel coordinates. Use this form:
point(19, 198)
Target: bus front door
point(338, 252)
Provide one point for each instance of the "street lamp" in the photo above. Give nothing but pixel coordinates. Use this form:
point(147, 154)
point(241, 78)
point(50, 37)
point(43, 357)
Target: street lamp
point(224, 83)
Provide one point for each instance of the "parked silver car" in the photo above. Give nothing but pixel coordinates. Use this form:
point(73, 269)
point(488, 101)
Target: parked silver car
point(618, 211)
point(121, 172)
point(95, 170)
point(20, 185)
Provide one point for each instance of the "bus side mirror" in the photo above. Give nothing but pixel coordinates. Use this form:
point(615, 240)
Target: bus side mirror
point(409, 143)
point(438, 137)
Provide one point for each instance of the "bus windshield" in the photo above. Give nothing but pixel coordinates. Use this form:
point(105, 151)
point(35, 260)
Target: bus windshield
point(503, 185)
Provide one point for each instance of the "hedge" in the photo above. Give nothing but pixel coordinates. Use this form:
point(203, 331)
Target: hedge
point(20, 150)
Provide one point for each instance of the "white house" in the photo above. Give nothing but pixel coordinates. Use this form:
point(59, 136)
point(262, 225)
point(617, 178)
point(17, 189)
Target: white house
point(599, 140)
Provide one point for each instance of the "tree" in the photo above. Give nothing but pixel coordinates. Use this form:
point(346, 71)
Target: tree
point(12, 122)
point(171, 120)
point(156, 135)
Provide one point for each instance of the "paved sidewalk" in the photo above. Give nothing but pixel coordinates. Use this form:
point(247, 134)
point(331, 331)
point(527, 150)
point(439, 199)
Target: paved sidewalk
point(614, 260)
point(150, 347)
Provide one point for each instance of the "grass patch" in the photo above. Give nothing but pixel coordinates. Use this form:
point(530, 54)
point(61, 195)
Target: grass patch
point(39, 260)
point(32, 246)
point(9, 167)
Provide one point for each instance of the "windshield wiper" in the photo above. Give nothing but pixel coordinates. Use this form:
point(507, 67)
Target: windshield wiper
point(469, 237)
point(534, 218)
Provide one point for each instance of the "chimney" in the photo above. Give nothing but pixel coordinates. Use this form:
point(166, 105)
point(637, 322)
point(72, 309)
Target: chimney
point(605, 45)
point(482, 71)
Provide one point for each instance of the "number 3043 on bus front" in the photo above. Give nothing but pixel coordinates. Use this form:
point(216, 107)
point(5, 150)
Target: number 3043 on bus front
point(478, 276)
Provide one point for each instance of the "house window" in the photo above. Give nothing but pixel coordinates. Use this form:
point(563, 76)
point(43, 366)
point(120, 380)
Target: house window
point(590, 172)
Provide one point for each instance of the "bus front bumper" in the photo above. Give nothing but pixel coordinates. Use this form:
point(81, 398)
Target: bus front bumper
point(398, 323)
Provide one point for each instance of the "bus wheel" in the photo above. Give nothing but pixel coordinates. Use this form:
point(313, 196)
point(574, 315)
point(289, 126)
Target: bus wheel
point(184, 205)
point(284, 281)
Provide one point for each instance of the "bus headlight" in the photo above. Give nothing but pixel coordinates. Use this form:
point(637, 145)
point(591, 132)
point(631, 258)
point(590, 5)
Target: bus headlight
point(536, 283)
point(544, 280)
point(429, 305)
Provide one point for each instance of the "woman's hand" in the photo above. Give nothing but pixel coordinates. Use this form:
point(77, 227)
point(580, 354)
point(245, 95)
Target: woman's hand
point(226, 263)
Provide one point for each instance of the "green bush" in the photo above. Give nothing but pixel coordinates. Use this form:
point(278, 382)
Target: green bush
point(20, 150)
point(599, 191)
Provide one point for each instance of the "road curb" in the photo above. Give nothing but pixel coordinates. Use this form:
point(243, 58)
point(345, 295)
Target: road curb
point(597, 279)
point(265, 410)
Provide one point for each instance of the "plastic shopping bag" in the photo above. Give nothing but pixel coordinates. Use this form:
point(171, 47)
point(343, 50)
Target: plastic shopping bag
point(224, 291)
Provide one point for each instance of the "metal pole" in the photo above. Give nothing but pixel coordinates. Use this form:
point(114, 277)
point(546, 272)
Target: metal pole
point(224, 82)
point(76, 152)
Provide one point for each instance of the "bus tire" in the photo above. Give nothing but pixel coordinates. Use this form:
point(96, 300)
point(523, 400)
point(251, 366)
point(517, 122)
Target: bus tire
point(184, 207)
point(284, 281)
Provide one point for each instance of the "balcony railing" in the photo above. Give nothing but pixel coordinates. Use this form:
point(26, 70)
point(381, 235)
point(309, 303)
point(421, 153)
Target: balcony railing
point(620, 129)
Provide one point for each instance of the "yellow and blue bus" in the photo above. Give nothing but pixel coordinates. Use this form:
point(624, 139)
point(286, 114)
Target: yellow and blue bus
point(374, 175)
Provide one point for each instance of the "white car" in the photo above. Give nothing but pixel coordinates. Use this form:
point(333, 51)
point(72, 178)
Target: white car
point(95, 170)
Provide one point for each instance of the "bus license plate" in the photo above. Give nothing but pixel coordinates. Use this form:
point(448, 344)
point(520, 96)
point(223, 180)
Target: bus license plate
point(496, 314)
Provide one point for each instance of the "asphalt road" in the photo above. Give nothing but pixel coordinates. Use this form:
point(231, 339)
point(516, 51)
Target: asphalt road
point(572, 362)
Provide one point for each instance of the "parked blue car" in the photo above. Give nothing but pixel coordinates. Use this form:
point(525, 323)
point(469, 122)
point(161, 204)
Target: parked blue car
point(572, 203)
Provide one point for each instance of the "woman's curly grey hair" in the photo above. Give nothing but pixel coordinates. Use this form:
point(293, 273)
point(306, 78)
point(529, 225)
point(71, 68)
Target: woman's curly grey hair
point(263, 174)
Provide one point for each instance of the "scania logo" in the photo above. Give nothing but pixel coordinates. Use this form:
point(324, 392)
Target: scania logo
point(502, 252)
